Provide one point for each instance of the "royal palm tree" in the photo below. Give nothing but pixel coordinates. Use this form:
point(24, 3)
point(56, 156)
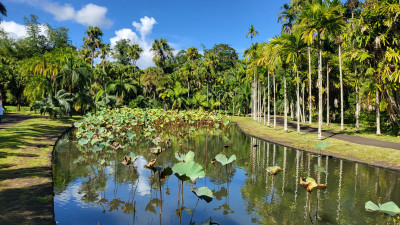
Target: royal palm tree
point(318, 19)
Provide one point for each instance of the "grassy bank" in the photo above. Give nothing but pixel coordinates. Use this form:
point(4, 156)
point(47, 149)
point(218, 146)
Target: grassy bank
point(25, 170)
point(383, 157)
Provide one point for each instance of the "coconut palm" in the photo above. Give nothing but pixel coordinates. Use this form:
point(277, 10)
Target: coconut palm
point(162, 52)
point(3, 10)
point(134, 52)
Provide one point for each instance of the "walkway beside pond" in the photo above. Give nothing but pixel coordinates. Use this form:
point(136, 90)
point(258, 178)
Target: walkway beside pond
point(11, 119)
point(26, 188)
point(344, 137)
point(364, 150)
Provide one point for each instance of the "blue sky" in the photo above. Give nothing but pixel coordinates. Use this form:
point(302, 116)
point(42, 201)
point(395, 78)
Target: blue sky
point(183, 23)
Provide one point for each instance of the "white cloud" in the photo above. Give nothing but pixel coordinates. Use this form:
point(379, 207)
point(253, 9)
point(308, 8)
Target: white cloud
point(88, 15)
point(93, 15)
point(13, 29)
point(144, 28)
point(16, 30)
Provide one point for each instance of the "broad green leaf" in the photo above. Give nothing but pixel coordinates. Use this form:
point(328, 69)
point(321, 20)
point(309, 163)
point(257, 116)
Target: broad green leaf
point(390, 208)
point(221, 158)
point(94, 141)
point(89, 134)
point(133, 156)
point(83, 141)
point(371, 207)
point(203, 193)
point(188, 170)
point(185, 157)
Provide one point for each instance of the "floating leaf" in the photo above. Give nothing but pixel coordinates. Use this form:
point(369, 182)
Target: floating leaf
point(224, 160)
point(89, 134)
point(188, 170)
point(83, 141)
point(203, 193)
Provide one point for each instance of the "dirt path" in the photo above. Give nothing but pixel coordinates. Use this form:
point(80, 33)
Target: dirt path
point(342, 137)
point(11, 119)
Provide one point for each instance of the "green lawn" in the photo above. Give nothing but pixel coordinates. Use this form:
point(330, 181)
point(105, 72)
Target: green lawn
point(363, 153)
point(26, 190)
point(23, 110)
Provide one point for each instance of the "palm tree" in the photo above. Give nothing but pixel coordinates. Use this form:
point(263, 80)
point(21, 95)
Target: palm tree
point(252, 33)
point(93, 40)
point(162, 52)
point(287, 16)
point(105, 51)
point(176, 96)
point(318, 19)
point(134, 52)
point(199, 101)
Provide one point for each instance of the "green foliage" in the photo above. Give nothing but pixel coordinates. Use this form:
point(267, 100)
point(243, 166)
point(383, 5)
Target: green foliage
point(389, 208)
point(188, 170)
point(221, 158)
point(203, 193)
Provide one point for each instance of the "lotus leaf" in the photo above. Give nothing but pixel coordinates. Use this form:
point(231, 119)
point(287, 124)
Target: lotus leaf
point(224, 160)
point(83, 141)
point(203, 193)
point(188, 170)
point(389, 208)
point(185, 157)
point(274, 170)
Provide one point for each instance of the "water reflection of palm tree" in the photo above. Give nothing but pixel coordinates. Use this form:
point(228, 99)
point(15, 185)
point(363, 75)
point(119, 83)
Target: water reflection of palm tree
point(339, 190)
point(284, 170)
point(297, 176)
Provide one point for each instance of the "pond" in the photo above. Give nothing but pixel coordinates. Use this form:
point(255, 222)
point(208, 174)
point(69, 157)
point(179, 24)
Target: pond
point(243, 193)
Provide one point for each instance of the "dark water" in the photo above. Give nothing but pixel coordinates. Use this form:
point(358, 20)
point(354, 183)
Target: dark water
point(243, 194)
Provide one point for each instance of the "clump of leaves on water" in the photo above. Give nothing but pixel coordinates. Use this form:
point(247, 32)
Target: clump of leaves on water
point(389, 208)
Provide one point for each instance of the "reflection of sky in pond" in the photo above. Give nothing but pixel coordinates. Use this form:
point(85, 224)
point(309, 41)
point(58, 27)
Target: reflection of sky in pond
point(250, 197)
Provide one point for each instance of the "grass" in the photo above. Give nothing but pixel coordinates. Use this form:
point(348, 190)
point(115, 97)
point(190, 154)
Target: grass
point(23, 110)
point(363, 153)
point(25, 169)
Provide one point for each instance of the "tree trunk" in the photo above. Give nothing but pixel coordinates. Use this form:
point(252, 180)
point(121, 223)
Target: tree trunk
point(291, 109)
point(268, 120)
point(309, 87)
point(188, 89)
point(327, 94)
point(273, 81)
point(319, 91)
point(341, 90)
point(285, 129)
point(265, 119)
point(304, 106)
point(298, 103)
point(207, 90)
point(378, 113)
point(357, 101)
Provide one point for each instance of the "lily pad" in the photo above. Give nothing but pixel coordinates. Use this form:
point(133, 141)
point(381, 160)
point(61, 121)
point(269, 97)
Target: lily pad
point(224, 160)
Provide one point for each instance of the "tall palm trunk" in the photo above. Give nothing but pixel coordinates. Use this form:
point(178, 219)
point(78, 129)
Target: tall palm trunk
point(309, 85)
point(274, 100)
point(264, 107)
point(285, 129)
point(304, 106)
point(298, 102)
point(341, 90)
point(327, 94)
point(268, 120)
point(254, 98)
point(319, 91)
point(378, 113)
point(357, 100)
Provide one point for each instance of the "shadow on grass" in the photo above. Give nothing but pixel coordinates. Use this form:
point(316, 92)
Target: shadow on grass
point(27, 206)
point(24, 173)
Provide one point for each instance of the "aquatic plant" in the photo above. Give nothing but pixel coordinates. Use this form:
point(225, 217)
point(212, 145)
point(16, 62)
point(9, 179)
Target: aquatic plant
point(203, 193)
point(273, 170)
point(221, 158)
point(310, 184)
point(321, 146)
point(389, 208)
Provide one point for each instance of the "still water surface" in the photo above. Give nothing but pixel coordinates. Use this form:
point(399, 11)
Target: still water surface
point(243, 193)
